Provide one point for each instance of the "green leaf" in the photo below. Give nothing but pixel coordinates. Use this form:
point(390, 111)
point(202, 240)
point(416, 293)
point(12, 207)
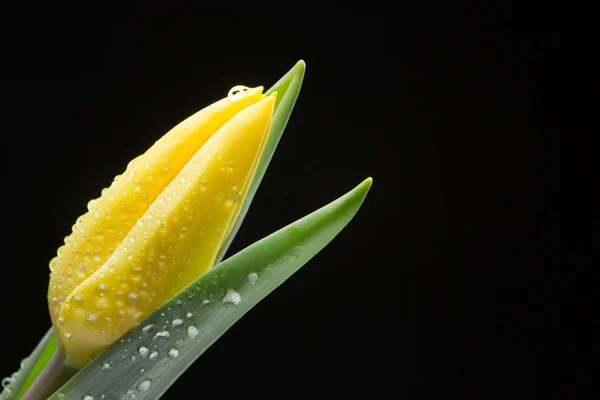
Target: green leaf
point(150, 358)
point(30, 367)
point(288, 89)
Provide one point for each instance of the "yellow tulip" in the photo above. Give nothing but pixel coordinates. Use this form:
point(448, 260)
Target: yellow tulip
point(159, 225)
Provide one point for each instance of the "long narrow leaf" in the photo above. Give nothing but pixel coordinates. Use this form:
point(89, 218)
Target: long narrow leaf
point(288, 89)
point(147, 361)
point(30, 367)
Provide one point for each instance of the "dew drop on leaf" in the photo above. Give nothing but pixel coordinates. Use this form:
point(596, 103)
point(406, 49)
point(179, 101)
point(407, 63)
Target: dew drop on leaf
point(232, 298)
point(252, 278)
point(177, 323)
point(192, 332)
point(144, 386)
point(143, 351)
point(162, 335)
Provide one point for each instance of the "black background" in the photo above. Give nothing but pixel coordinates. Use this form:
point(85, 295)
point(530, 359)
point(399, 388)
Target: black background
point(447, 284)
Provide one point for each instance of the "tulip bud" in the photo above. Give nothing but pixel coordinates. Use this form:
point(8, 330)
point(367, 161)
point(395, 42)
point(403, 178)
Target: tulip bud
point(159, 226)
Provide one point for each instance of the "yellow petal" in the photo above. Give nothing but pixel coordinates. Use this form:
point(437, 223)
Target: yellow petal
point(111, 217)
point(174, 242)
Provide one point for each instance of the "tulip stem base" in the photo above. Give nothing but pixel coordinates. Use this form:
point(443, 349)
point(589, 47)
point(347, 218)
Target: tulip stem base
point(52, 377)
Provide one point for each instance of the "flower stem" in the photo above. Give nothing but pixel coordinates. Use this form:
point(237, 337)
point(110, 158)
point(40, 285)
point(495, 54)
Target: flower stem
point(52, 377)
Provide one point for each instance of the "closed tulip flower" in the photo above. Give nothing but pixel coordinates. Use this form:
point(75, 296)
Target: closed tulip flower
point(158, 226)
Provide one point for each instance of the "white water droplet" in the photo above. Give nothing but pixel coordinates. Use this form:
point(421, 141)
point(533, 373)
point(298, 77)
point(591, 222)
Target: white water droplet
point(237, 92)
point(173, 353)
point(148, 328)
point(162, 335)
point(253, 278)
point(232, 298)
point(106, 366)
point(144, 386)
point(143, 351)
point(153, 355)
point(189, 315)
point(177, 323)
point(88, 398)
point(192, 332)
point(6, 382)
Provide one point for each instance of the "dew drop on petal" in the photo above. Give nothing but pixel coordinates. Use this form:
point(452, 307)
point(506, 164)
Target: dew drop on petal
point(77, 301)
point(80, 270)
point(237, 92)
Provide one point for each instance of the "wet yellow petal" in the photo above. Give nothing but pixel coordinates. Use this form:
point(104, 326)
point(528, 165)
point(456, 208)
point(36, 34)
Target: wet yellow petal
point(111, 217)
point(173, 243)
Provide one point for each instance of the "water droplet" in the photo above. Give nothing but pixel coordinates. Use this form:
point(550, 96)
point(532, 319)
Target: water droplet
point(67, 335)
point(6, 382)
point(101, 290)
point(61, 321)
point(80, 270)
point(237, 92)
point(253, 278)
point(77, 301)
point(177, 323)
point(162, 335)
point(232, 298)
point(173, 353)
point(234, 195)
point(132, 299)
point(91, 204)
point(144, 386)
point(132, 358)
point(121, 314)
point(143, 351)
point(192, 332)
point(88, 398)
point(153, 355)
point(148, 328)
point(91, 320)
point(105, 366)
point(136, 271)
point(137, 185)
point(61, 396)
point(205, 302)
point(189, 315)
point(53, 263)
